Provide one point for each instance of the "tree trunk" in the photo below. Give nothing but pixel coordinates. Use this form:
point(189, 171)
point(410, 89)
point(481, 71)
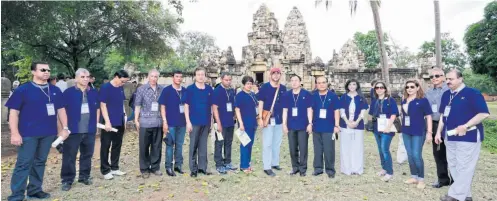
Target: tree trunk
point(381, 42)
point(438, 40)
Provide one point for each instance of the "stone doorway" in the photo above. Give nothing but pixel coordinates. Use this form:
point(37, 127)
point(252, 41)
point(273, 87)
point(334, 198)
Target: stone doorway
point(259, 77)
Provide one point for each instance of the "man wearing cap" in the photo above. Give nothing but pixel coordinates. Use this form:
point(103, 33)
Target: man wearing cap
point(271, 109)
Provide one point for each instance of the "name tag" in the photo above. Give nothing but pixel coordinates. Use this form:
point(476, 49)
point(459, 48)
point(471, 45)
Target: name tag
point(181, 108)
point(273, 121)
point(434, 108)
point(407, 121)
point(85, 109)
point(322, 113)
point(50, 109)
point(229, 107)
point(447, 111)
point(155, 107)
point(294, 112)
point(256, 111)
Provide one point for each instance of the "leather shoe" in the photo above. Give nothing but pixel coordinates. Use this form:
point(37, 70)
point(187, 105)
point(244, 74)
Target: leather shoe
point(317, 173)
point(468, 199)
point(66, 187)
point(177, 169)
point(331, 176)
point(193, 174)
point(277, 167)
point(302, 174)
point(85, 181)
point(270, 173)
point(170, 172)
point(146, 175)
point(204, 172)
point(439, 185)
point(294, 172)
point(447, 198)
point(39, 195)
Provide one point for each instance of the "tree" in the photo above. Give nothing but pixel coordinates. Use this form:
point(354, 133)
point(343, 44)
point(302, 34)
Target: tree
point(481, 42)
point(75, 34)
point(452, 57)
point(190, 49)
point(438, 40)
point(401, 55)
point(375, 4)
point(368, 44)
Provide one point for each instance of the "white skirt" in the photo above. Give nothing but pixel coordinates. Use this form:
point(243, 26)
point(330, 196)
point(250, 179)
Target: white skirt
point(351, 151)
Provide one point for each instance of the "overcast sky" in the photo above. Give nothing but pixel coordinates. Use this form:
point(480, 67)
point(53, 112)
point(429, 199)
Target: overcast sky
point(409, 22)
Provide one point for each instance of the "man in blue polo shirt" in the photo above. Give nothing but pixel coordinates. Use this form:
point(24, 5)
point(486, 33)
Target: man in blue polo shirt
point(272, 132)
point(223, 108)
point(198, 121)
point(463, 109)
point(82, 107)
point(35, 109)
point(173, 122)
point(112, 106)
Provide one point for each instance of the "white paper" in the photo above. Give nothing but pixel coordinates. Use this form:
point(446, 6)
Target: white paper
point(85, 109)
point(382, 124)
point(243, 137)
point(101, 126)
point(219, 135)
point(454, 131)
point(322, 113)
point(50, 109)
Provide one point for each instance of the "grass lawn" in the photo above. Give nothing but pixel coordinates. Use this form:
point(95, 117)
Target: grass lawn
point(492, 106)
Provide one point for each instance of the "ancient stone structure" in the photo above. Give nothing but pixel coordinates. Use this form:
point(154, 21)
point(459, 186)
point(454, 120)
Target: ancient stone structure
point(349, 57)
point(7, 148)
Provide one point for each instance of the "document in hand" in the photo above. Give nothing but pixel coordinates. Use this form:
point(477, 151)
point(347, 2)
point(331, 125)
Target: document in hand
point(243, 137)
point(454, 131)
point(219, 135)
point(382, 124)
point(101, 126)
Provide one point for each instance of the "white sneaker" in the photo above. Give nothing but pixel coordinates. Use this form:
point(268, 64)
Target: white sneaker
point(387, 178)
point(117, 172)
point(108, 176)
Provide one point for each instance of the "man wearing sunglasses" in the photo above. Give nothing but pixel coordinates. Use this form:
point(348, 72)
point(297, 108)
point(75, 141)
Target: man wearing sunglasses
point(35, 109)
point(434, 96)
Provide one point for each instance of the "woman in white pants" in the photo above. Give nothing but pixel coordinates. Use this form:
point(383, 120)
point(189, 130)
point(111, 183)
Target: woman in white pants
point(353, 108)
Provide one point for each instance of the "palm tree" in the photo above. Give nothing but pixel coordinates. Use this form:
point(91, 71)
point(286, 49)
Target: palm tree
point(375, 4)
point(438, 44)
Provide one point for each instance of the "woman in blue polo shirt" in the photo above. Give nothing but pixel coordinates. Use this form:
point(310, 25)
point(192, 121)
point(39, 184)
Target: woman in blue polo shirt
point(415, 108)
point(353, 107)
point(383, 111)
point(245, 108)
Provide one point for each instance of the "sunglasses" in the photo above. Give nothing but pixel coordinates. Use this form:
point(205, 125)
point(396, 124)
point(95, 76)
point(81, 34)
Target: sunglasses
point(435, 76)
point(45, 70)
point(379, 87)
point(412, 87)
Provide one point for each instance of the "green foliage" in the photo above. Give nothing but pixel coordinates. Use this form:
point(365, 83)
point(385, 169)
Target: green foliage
point(481, 42)
point(368, 44)
point(482, 82)
point(24, 72)
point(401, 56)
point(452, 56)
point(490, 141)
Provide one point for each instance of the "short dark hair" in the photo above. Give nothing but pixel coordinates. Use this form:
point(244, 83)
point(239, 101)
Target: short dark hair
point(224, 74)
point(34, 64)
point(373, 82)
point(358, 90)
point(295, 75)
point(121, 74)
point(457, 71)
point(177, 72)
point(61, 76)
point(246, 79)
point(52, 78)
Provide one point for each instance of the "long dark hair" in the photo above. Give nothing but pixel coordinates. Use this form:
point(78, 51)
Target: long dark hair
point(359, 91)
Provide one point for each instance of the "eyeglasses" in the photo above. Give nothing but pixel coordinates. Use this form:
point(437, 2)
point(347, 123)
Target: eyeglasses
point(412, 87)
point(435, 76)
point(382, 87)
point(45, 70)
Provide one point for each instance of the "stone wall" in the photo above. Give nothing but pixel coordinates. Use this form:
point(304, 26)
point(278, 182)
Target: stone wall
point(7, 148)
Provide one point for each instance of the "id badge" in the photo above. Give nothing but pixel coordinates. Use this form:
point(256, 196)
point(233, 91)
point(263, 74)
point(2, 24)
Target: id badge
point(407, 121)
point(447, 111)
point(256, 111)
point(85, 109)
point(181, 108)
point(322, 113)
point(273, 121)
point(155, 107)
point(294, 112)
point(434, 108)
point(50, 109)
point(229, 107)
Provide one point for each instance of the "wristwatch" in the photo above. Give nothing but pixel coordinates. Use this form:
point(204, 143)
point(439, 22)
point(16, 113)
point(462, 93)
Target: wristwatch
point(67, 129)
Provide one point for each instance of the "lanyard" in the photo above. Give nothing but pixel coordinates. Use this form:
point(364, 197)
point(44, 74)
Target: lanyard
point(255, 101)
point(179, 94)
point(295, 100)
point(155, 92)
point(408, 103)
point(227, 93)
point(323, 101)
point(48, 95)
point(452, 97)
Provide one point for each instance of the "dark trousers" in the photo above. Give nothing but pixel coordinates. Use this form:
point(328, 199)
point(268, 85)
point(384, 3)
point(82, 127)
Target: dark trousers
point(440, 158)
point(31, 158)
point(324, 147)
point(298, 141)
point(106, 140)
point(226, 142)
point(85, 142)
point(198, 148)
point(150, 142)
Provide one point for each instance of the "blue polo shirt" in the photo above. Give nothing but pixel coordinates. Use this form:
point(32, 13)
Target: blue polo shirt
point(199, 102)
point(172, 99)
point(360, 104)
point(301, 101)
point(464, 106)
point(221, 98)
point(247, 102)
point(266, 94)
point(73, 98)
point(387, 107)
point(329, 102)
point(416, 110)
point(31, 102)
point(114, 98)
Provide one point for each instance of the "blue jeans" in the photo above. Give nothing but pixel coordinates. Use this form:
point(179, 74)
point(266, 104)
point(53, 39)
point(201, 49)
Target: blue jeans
point(383, 141)
point(177, 136)
point(85, 143)
point(132, 115)
point(414, 148)
point(246, 151)
point(31, 158)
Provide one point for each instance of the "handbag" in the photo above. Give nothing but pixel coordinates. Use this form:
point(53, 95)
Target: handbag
point(266, 115)
point(396, 122)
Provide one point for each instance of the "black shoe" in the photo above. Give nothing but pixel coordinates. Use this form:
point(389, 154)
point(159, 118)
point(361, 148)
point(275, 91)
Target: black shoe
point(277, 167)
point(302, 174)
point(269, 173)
point(439, 185)
point(170, 172)
point(65, 187)
point(40, 195)
point(158, 173)
point(204, 172)
point(317, 173)
point(85, 181)
point(468, 199)
point(447, 198)
point(193, 174)
point(145, 175)
point(294, 172)
point(177, 169)
point(331, 176)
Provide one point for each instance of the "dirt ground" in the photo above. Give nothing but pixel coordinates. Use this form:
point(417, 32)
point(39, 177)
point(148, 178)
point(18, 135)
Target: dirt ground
point(256, 186)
